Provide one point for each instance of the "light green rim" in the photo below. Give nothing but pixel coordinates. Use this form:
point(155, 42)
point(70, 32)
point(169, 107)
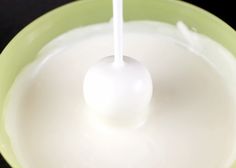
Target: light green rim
point(24, 47)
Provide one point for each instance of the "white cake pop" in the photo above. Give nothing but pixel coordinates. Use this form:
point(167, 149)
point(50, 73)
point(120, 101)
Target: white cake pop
point(118, 87)
point(118, 91)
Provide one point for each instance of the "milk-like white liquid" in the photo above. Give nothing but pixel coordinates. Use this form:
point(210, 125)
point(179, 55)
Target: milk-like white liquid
point(192, 114)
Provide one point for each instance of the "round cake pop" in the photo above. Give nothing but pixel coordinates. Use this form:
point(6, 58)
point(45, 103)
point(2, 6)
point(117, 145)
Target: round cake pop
point(118, 87)
point(118, 92)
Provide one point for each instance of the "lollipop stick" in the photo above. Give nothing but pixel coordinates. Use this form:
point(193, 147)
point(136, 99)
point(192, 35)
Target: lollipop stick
point(118, 31)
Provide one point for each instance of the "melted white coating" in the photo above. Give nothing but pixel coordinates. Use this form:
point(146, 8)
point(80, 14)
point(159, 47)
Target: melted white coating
point(192, 114)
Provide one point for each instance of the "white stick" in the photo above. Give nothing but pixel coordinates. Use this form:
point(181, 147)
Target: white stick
point(118, 31)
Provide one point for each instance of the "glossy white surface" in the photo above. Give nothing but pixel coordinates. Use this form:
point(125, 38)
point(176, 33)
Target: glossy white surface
point(191, 122)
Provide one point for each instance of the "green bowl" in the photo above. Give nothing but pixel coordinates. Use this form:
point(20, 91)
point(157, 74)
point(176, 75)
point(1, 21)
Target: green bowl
point(24, 48)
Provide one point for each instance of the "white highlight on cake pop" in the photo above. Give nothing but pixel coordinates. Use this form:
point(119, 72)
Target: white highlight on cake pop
point(118, 87)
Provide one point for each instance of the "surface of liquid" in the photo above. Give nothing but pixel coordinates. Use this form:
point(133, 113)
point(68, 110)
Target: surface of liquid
point(192, 114)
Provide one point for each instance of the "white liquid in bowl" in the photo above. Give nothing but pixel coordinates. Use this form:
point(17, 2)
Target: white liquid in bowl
point(192, 115)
